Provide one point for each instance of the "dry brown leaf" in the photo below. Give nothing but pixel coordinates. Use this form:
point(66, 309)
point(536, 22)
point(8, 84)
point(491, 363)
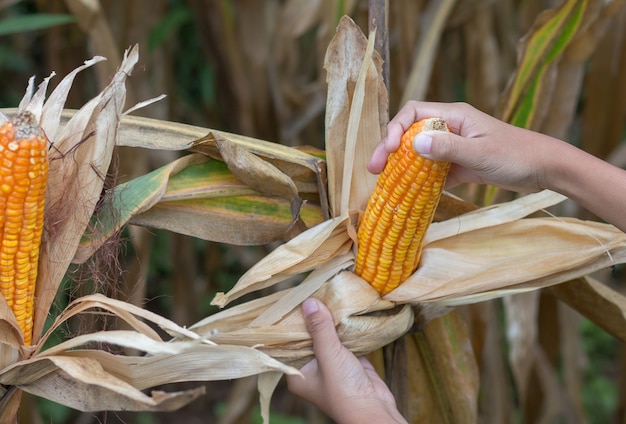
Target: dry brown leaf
point(260, 175)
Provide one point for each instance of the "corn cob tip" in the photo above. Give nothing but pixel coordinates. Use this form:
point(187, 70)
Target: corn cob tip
point(435, 124)
point(25, 125)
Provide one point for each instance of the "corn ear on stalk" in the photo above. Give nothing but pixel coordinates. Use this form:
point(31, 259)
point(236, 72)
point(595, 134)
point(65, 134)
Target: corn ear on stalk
point(392, 228)
point(23, 178)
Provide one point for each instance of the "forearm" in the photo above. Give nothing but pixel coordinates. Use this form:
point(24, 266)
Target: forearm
point(594, 184)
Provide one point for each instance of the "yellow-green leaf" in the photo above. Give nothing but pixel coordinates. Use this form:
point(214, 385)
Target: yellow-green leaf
point(196, 196)
point(540, 51)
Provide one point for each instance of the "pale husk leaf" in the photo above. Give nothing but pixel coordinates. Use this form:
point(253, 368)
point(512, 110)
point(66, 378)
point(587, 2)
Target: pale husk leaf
point(493, 215)
point(362, 134)
point(275, 324)
point(356, 112)
point(10, 333)
point(78, 163)
point(302, 253)
point(517, 256)
point(199, 362)
point(134, 316)
point(52, 110)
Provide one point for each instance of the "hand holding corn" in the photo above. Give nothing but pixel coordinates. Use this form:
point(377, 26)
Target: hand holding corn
point(345, 387)
point(481, 149)
point(486, 150)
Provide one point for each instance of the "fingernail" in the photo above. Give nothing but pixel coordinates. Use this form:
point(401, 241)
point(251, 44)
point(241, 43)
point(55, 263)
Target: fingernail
point(310, 307)
point(422, 144)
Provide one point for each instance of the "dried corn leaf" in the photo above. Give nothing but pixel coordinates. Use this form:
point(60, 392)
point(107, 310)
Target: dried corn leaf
point(306, 251)
point(199, 197)
point(99, 380)
point(82, 384)
point(258, 174)
point(306, 170)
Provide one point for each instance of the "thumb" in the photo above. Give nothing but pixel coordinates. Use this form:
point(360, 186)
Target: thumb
point(319, 323)
point(439, 145)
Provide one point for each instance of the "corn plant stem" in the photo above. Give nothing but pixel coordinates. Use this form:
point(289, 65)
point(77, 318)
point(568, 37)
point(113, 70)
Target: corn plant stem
point(427, 356)
point(396, 377)
point(378, 11)
point(9, 404)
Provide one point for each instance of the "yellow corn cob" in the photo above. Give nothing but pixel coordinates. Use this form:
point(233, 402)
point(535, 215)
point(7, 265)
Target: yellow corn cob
point(392, 228)
point(23, 178)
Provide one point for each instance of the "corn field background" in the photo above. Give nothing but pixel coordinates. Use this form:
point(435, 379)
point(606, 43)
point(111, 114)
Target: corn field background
point(255, 68)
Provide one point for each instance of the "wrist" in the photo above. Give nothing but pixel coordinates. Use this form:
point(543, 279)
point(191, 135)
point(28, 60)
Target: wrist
point(557, 169)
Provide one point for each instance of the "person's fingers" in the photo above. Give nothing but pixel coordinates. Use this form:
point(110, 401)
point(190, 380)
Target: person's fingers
point(379, 159)
point(301, 385)
point(366, 364)
point(459, 174)
point(455, 115)
point(326, 344)
point(319, 323)
point(441, 145)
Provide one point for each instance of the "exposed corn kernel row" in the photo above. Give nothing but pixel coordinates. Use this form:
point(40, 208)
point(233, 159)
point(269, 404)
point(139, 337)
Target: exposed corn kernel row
point(392, 228)
point(23, 178)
